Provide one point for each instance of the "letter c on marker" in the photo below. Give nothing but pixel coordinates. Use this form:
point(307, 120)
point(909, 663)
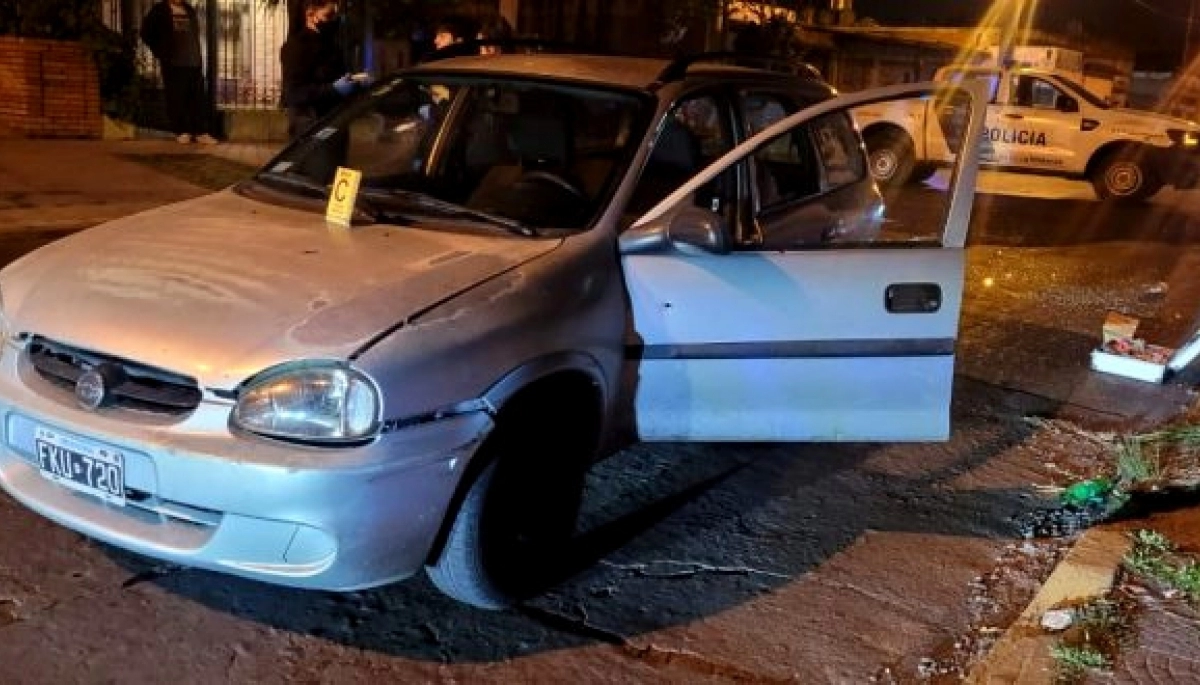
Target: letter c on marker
point(339, 190)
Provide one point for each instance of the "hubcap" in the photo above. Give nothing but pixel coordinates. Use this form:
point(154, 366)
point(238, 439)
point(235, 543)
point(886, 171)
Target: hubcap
point(1123, 178)
point(884, 163)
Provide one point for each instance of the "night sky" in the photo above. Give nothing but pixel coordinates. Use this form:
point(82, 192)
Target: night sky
point(1154, 28)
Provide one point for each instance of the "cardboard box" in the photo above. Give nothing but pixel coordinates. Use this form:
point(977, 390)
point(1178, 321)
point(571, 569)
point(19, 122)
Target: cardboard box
point(1122, 354)
point(1130, 367)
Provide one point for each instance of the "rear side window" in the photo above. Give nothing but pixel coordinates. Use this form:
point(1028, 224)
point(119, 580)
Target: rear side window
point(786, 168)
point(820, 157)
point(841, 154)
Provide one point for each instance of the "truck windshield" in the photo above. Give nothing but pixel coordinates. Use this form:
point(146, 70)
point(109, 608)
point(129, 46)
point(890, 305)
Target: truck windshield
point(534, 154)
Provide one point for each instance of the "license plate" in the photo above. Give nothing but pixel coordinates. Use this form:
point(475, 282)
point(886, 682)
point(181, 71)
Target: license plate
point(81, 465)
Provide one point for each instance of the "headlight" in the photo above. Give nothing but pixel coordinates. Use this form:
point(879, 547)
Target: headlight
point(1184, 138)
point(333, 404)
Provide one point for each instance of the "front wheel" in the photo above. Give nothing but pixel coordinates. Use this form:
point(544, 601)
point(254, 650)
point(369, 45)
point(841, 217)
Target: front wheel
point(515, 519)
point(1125, 177)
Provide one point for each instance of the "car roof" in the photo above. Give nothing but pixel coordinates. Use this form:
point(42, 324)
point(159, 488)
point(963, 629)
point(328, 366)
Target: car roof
point(1036, 71)
point(641, 73)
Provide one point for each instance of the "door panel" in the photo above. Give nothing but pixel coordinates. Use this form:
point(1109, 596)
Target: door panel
point(787, 344)
point(793, 345)
point(1029, 132)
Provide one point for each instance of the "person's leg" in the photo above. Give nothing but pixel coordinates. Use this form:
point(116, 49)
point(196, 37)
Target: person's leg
point(299, 119)
point(175, 93)
point(201, 113)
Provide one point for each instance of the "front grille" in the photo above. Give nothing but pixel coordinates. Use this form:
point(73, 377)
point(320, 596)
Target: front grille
point(142, 388)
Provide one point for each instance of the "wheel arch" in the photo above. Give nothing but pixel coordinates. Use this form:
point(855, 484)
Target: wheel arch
point(569, 379)
point(881, 128)
point(1106, 150)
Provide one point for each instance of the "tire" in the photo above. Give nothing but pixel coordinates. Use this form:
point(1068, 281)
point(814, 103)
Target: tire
point(890, 155)
point(1124, 177)
point(514, 521)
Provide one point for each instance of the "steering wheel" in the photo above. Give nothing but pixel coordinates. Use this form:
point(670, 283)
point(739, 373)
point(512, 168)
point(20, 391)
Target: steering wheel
point(555, 179)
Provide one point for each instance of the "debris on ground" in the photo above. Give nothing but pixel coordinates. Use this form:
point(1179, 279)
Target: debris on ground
point(1093, 492)
point(1057, 620)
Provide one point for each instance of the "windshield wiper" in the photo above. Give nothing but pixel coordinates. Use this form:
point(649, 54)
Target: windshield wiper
point(317, 189)
point(294, 180)
point(446, 208)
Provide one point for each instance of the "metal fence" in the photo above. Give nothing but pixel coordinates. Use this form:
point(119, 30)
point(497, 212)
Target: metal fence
point(244, 43)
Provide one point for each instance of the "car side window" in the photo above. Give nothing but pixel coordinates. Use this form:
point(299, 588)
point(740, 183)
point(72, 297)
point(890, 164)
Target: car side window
point(810, 183)
point(841, 156)
point(818, 157)
point(786, 168)
point(1030, 91)
point(693, 134)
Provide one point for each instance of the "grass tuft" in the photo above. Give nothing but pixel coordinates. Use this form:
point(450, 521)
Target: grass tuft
point(1138, 463)
point(1155, 558)
point(1101, 629)
point(1074, 661)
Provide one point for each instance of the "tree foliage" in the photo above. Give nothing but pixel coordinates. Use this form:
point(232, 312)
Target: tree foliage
point(58, 19)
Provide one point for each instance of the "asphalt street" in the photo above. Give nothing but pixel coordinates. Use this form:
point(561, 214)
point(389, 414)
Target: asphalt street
point(698, 563)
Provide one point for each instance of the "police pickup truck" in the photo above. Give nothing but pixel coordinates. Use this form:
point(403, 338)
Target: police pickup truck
point(1038, 121)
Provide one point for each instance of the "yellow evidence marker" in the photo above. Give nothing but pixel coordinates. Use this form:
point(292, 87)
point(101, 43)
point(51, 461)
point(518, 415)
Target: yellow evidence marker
point(342, 196)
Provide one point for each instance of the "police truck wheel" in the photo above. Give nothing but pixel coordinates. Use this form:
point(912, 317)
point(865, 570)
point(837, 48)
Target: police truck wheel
point(890, 155)
point(1124, 177)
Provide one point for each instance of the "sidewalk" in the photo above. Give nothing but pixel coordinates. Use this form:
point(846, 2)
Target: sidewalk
point(60, 186)
point(1165, 645)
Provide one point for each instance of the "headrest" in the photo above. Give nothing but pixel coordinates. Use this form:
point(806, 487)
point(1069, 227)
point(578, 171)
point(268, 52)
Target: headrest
point(540, 135)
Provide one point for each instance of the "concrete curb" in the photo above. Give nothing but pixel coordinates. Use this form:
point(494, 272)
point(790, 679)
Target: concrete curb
point(1022, 654)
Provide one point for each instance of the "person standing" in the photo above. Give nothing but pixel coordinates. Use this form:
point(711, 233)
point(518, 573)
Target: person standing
point(314, 72)
point(450, 36)
point(495, 28)
point(171, 30)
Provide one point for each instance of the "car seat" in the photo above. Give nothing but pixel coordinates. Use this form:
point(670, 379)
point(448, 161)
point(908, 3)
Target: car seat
point(538, 186)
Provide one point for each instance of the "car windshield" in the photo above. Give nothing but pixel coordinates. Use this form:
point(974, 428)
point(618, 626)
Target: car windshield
point(516, 154)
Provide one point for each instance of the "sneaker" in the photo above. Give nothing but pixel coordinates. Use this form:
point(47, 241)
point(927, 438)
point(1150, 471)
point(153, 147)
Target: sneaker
point(205, 139)
point(183, 138)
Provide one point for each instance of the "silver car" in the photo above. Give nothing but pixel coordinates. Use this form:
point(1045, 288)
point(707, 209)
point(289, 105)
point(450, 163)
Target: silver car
point(549, 254)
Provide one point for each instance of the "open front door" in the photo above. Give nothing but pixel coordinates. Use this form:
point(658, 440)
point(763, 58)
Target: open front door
point(777, 331)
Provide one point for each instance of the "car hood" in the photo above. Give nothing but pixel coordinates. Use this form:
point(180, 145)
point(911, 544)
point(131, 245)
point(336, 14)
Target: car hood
point(1136, 118)
point(223, 287)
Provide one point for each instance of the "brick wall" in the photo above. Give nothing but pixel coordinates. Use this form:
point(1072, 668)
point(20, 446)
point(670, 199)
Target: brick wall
point(48, 89)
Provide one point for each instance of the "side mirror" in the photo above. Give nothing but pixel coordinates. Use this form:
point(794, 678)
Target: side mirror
point(698, 228)
point(1066, 103)
point(693, 229)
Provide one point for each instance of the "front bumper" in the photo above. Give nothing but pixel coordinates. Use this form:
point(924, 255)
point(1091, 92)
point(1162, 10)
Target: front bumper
point(200, 495)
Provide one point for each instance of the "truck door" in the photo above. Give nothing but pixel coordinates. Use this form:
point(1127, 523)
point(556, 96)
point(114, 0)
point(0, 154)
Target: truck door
point(792, 335)
point(1037, 127)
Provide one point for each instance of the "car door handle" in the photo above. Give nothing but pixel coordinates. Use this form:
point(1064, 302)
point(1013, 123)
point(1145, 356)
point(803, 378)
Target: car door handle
point(1013, 115)
point(913, 298)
